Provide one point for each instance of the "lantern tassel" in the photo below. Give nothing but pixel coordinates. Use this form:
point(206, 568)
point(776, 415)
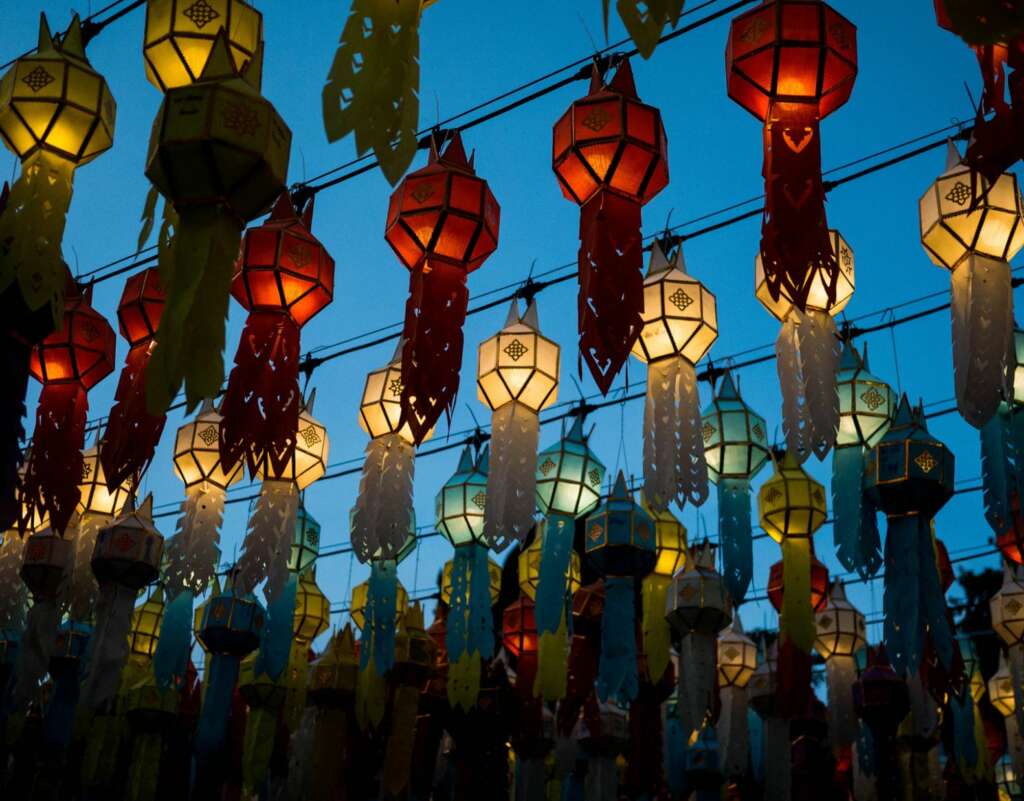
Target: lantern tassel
point(267, 542)
point(797, 616)
point(377, 651)
point(552, 679)
point(617, 671)
point(843, 727)
point(84, 591)
point(511, 479)
point(432, 352)
point(383, 514)
point(556, 551)
point(262, 399)
point(194, 550)
point(470, 635)
point(190, 339)
point(656, 630)
point(55, 464)
point(14, 372)
point(13, 592)
point(965, 747)
point(982, 311)
point(301, 750)
point(1016, 653)
point(997, 469)
point(221, 677)
point(401, 742)
point(611, 292)
point(855, 530)
point(732, 731)
point(108, 645)
point(132, 433)
point(170, 660)
point(698, 655)
point(34, 651)
point(735, 536)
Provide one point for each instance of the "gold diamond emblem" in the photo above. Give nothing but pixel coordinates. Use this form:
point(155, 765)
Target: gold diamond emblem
point(208, 435)
point(732, 653)
point(680, 299)
point(1013, 606)
point(516, 350)
point(480, 499)
point(201, 13)
point(38, 79)
point(707, 431)
point(596, 119)
point(872, 398)
point(595, 477)
point(547, 466)
point(959, 194)
point(773, 496)
point(925, 461)
point(310, 436)
point(757, 431)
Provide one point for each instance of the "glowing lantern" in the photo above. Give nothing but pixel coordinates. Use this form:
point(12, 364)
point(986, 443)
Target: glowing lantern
point(882, 701)
point(973, 228)
point(680, 325)
point(147, 618)
point(1005, 698)
point(1007, 610)
point(670, 543)
point(818, 294)
point(284, 277)
point(442, 224)
point(840, 635)
point(517, 376)
point(819, 584)
point(736, 448)
point(736, 663)
point(180, 35)
point(305, 548)
point(519, 631)
point(493, 579)
point(610, 155)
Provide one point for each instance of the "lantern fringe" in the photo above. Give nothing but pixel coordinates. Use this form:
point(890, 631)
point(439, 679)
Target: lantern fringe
point(301, 749)
point(797, 617)
point(855, 527)
point(735, 536)
point(470, 634)
point(657, 633)
point(778, 759)
point(132, 433)
point(329, 752)
point(865, 786)
point(14, 372)
point(732, 732)
point(674, 464)
point(998, 474)
point(965, 747)
point(982, 311)
point(793, 694)
point(220, 680)
point(432, 350)
point(170, 660)
point(617, 671)
point(1015, 745)
point(511, 479)
point(268, 540)
point(383, 513)
point(611, 291)
point(377, 651)
point(398, 751)
point(32, 228)
point(843, 726)
point(55, 463)
point(13, 592)
point(808, 351)
point(108, 645)
point(195, 548)
point(550, 608)
point(190, 339)
point(262, 399)
point(275, 644)
point(1016, 654)
point(84, 590)
point(258, 746)
point(697, 677)
point(551, 681)
point(34, 650)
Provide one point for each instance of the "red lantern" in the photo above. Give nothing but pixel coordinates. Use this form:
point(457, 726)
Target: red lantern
point(611, 157)
point(284, 278)
point(1011, 540)
point(790, 63)
point(519, 636)
point(68, 363)
point(819, 585)
point(946, 576)
point(132, 433)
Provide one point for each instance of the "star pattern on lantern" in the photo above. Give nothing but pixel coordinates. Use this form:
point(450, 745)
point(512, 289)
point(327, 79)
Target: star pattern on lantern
point(241, 118)
point(596, 119)
point(547, 466)
point(297, 251)
point(755, 30)
point(208, 435)
point(38, 79)
point(480, 499)
point(86, 471)
point(516, 350)
point(200, 13)
point(773, 496)
point(873, 398)
point(680, 299)
point(707, 431)
point(595, 477)
point(757, 431)
point(1013, 606)
point(959, 194)
point(395, 387)
point(925, 461)
point(423, 192)
point(309, 436)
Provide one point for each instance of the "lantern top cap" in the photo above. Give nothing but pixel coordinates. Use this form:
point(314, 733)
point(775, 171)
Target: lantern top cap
point(837, 593)
point(954, 161)
point(137, 518)
point(575, 433)
point(622, 83)
point(702, 556)
point(620, 491)
point(851, 360)
point(221, 66)
point(728, 390)
point(307, 404)
point(70, 44)
point(660, 261)
point(452, 154)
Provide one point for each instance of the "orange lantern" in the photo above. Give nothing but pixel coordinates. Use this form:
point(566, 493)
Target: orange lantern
point(819, 584)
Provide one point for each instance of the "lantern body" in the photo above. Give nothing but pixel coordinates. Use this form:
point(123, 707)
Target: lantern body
point(819, 585)
point(620, 536)
point(312, 610)
point(791, 504)
point(147, 619)
point(1018, 366)
point(569, 476)
point(737, 658)
point(95, 498)
point(231, 624)
point(680, 318)
point(529, 565)
point(698, 601)
point(1007, 610)
point(47, 557)
point(197, 453)
point(519, 628)
point(517, 364)
point(459, 506)
point(129, 550)
point(445, 212)
point(610, 140)
point(380, 410)
point(81, 351)
point(309, 457)
point(180, 34)
point(1000, 691)
point(817, 294)
point(54, 101)
point(332, 677)
point(142, 303)
point(670, 540)
point(493, 580)
point(305, 546)
point(867, 405)
point(735, 437)
point(360, 597)
point(791, 51)
point(840, 627)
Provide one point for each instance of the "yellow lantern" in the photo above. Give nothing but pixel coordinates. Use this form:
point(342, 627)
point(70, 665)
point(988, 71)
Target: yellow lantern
point(518, 364)
point(312, 610)
point(360, 597)
point(671, 547)
point(95, 497)
point(817, 296)
point(529, 565)
point(494, 580)
point(1000, 690)
point(180, 35)
point(145, 627)
point(737, 656)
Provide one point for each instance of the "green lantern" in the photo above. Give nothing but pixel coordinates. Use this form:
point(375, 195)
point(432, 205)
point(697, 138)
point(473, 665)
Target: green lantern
point(569, 476)
point(305, 543)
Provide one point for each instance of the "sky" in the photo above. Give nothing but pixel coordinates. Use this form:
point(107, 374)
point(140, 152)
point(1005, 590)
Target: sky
point(911, 82)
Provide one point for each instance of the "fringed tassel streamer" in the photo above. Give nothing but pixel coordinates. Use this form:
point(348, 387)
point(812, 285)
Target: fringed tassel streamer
point(778, 777)
point(697, 677)
point(262, 399)
point(797, 616)
point(843, 726)
point(511, 479)
point(865, 786)
point(132, 433)
point(221, 677)
point(657, 633)
point(84, 590)
point(13, 592)
point(108, 646)
point(55, 464)
point(383, 513)
point(34, 651)
point(550, 610)
point(675, 746)
point(611, 284)
point(1015, 745)
point(470, 635)
point(58, 723)
point(377, 651)
point(965, 748)
point(982, 311)
point(432, 353)
point(267, 542)
point(194, 550)
point(170, 661)
point(998, 474)
point(732, 732)
point(855, 528)
point(275, 644)
point(261, 731)
point(14, 360)
point(734, 534)
point(617, 672)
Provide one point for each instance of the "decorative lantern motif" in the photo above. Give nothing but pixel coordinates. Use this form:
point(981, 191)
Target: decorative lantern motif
point(680, 325)
point(517, 376)
point(840, 635)
point(610, 155)
point(974, 233)
point(737, 660)
point(698, 608)
point(1004, 697)
point(459, 514)
point(1007, 609)
point(569, 478)
point(442, 224)
point(621, 545)
point(910, 475)
point(736, 448)
point(132, 433)
point(670, 541)
point(867, 406)
point(218, 175)
point(267, 543)
point(284, 278)
point(68, 363)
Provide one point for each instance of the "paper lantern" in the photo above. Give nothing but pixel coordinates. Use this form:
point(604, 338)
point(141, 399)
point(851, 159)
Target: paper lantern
point(180, 34)
point(818, 294)
point(610, 155)
point(736, 449)
point(776, 587)
point(360, 595)
point(882, 701)
point(442, 224)
point(1007, 612)
point(671, 549)
point(530, 561)
point(284, 277)
point(493, 581)
point(569, 476)
point(517, 376)
point(519, 629)
point(840, 634)
point(147, 618)
point(305, 548)
point(1000, 690)
point(680, 324)
point(736, 662)
point(737, 657)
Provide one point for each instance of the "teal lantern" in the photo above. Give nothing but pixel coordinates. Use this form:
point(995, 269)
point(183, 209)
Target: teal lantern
point(306, 542)
point(736, 448)
point(910, 476)
point(867, 406)
point(569, 476)
point(460, 518)
point(622, 546)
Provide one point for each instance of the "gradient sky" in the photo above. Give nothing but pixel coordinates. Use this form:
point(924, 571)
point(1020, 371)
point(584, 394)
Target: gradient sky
point(911, 82)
